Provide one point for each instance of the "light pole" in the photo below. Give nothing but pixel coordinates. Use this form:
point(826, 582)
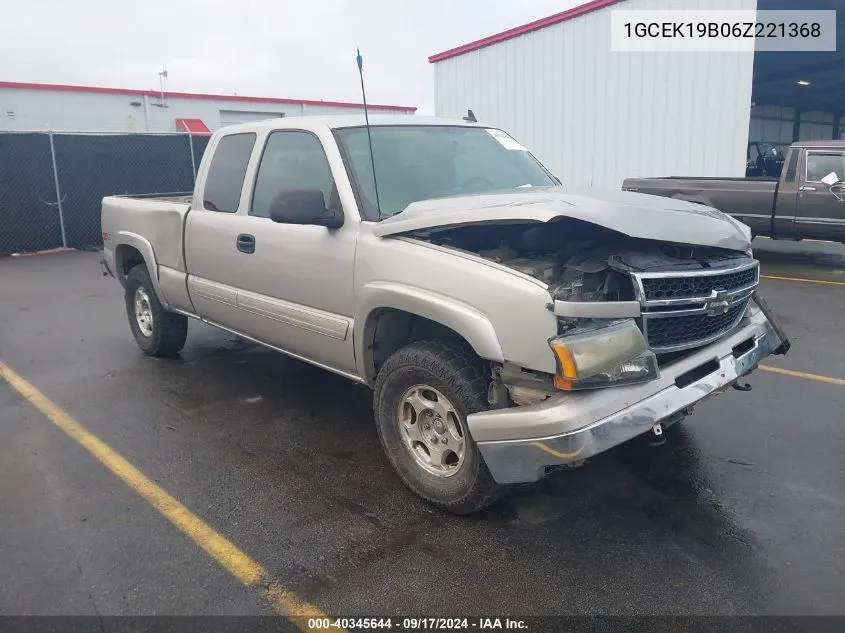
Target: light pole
point(162, 75)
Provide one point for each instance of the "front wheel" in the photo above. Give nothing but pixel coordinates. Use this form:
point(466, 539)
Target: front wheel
point(423, 395)
point(157, 331)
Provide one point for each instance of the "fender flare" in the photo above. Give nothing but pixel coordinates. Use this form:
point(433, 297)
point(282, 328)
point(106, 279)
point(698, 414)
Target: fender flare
point(143, 245)
point(470, 323)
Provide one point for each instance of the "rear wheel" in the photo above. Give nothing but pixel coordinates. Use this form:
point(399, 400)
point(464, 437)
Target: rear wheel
point(423, 394)
point(157, 331)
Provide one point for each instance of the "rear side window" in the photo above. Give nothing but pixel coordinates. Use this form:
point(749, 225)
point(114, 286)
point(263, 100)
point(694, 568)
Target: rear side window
point(225, 179)
point(292, 159)
point(792, 167)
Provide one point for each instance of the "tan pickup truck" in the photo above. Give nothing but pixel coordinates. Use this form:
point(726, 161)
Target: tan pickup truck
point(506, 324)
point(807, 202)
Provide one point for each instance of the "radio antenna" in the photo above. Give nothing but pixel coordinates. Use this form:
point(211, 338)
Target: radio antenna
point(360, 61)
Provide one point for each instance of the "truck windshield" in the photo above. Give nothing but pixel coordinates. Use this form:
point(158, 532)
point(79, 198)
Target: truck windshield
point(422, 162)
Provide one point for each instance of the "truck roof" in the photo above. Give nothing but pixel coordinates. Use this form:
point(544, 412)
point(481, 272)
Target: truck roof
point(820, 144)
point(341, 121)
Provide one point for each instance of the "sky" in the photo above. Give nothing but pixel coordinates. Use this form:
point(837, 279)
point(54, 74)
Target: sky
point(287, 48)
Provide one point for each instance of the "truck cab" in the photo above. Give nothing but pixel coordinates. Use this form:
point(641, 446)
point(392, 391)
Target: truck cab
point(806, 206)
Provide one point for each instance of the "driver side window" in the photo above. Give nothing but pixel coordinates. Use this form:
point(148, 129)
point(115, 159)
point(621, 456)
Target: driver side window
point(820, 165)
point(292, 159)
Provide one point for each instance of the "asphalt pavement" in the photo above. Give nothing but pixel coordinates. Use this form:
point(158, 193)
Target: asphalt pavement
point(742, 511)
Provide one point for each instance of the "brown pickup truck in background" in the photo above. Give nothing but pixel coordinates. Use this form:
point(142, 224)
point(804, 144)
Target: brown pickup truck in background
point(807, 202)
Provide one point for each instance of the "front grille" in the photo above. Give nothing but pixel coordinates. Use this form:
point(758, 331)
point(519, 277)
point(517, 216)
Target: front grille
point(661, 288)
point(673, 331)
point(686, 310)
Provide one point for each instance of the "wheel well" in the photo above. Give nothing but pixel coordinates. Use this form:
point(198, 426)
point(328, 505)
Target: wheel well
point(388, 329)
point(126, 258)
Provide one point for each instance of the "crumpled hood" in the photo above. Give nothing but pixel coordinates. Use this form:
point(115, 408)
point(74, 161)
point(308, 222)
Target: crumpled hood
point(634, 214)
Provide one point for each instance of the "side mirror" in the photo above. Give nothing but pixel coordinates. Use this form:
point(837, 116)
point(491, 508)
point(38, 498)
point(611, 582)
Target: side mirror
point(831, 179)
point(304, 206)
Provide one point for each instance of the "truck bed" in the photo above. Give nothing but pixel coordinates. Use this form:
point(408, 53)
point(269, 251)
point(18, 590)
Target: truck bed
point(152, 221)
point(740, 197)
point(182, 197)
point(714, 178)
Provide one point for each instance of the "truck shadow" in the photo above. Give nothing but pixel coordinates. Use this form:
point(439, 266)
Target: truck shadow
point(311, 433)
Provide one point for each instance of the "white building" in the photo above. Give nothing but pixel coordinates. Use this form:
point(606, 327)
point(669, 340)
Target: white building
point(62, 108)
point(596, 117)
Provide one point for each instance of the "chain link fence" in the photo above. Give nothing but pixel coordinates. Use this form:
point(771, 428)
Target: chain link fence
point(51, 184)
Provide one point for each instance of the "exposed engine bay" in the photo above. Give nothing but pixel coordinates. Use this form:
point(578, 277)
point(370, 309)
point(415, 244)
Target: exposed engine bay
point(583, 262)
point(580, 261)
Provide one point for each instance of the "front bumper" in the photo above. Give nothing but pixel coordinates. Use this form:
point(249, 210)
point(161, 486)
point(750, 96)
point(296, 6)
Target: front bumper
point(519, 443)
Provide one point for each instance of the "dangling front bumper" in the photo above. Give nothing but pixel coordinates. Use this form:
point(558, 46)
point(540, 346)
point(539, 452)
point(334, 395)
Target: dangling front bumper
point(519, 443)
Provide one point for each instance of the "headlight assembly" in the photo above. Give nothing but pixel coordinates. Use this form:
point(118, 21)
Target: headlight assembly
point(603, 357)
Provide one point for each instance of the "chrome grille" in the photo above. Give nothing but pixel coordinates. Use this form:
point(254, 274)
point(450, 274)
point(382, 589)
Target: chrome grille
point(697, 285)
point(689, 329)
point(682, 310)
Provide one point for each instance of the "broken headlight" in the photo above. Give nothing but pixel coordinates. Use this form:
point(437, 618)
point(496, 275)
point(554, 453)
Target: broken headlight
point(605, 356)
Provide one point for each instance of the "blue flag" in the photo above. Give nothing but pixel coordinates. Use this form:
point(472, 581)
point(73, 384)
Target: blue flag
point(359, 59)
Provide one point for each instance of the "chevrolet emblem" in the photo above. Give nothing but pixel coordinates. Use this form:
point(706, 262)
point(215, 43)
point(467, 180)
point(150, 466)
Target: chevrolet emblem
point(717, 304)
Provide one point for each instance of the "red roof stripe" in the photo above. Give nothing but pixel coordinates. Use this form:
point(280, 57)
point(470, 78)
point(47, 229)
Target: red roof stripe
point(194, 126)
point(542, 23)
point(192, 95)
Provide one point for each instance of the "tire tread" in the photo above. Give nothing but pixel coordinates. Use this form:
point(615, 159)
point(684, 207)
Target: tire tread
point(169, 329)
point(466, 375)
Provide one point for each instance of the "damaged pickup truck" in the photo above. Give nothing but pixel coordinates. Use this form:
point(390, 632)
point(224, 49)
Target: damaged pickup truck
point(506, 325)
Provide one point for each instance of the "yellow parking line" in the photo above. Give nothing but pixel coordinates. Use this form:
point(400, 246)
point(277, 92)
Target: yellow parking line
point(809, 281)
point(235, 561)
point(801, 374)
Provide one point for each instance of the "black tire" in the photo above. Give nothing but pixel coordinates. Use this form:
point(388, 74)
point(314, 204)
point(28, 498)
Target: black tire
point(450, 367)
point(169, 330)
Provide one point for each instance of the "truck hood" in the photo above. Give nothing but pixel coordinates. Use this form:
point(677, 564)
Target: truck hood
point(634, 214)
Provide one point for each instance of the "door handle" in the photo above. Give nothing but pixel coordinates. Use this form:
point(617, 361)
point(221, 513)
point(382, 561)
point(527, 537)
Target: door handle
point(246, 243)
point(806, 188)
